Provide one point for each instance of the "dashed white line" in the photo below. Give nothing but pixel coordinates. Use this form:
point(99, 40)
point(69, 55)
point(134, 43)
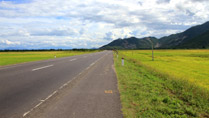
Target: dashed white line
point(63, 86)
point(73, 59)
point(42, 67)
point(26, 113)
point(87, 67)
point(50, 95)
point(42, 101)
point(92, 64)
point(95, 62)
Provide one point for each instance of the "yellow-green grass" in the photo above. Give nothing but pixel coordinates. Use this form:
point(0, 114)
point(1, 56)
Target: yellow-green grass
point(190, 65)
point(146, 91)
point(8, 58)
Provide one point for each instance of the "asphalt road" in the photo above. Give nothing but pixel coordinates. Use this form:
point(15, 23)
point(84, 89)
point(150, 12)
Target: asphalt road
point(71, 87)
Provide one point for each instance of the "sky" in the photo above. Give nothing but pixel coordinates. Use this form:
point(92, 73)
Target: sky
point(67, 24)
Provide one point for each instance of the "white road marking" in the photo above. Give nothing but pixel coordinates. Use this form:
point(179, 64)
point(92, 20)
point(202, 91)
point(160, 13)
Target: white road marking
point(87, 67)
point(63, 86)
point(42, 101)
point(26, 113)
point(42, 67)
point(92, 64)
point(95, 62)
point(73, 59)
point(50, 95)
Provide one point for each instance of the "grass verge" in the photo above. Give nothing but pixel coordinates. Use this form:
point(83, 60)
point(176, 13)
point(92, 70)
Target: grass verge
point(146, 93)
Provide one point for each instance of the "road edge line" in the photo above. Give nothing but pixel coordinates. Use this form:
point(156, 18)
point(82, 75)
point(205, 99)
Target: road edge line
point(82, 73)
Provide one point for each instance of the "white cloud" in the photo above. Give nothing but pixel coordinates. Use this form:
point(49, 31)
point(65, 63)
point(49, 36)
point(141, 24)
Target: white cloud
point(7, 42)
point(90, 23)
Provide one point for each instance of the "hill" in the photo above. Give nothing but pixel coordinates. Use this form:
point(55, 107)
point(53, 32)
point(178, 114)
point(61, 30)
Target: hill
point(194, 37)
point(177, 40)
point(201, 41)
point(131, 43)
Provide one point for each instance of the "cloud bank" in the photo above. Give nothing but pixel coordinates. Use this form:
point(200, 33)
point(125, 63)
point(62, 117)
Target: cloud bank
point(93, 23)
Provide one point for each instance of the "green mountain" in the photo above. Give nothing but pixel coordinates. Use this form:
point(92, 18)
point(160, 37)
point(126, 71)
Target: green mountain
point(201, 41)
point(194, 37)
point(131, 43)
point(175, 40)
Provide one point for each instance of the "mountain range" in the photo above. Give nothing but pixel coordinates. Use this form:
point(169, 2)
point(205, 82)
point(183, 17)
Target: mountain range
point(192, 38)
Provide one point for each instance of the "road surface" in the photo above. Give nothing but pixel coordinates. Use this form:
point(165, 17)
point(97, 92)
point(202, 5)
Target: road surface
point(71, 87)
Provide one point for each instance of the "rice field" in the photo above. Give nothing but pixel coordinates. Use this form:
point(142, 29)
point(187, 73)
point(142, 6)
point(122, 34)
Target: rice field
point(174, 85)
point(189, 65)
point(8, 58)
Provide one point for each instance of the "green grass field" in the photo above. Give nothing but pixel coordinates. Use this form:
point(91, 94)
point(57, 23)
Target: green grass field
point(175, 85)
point(8, 58)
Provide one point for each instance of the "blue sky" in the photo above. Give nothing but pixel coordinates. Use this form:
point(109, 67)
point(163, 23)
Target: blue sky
point(17, 1)
point(37, 24)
